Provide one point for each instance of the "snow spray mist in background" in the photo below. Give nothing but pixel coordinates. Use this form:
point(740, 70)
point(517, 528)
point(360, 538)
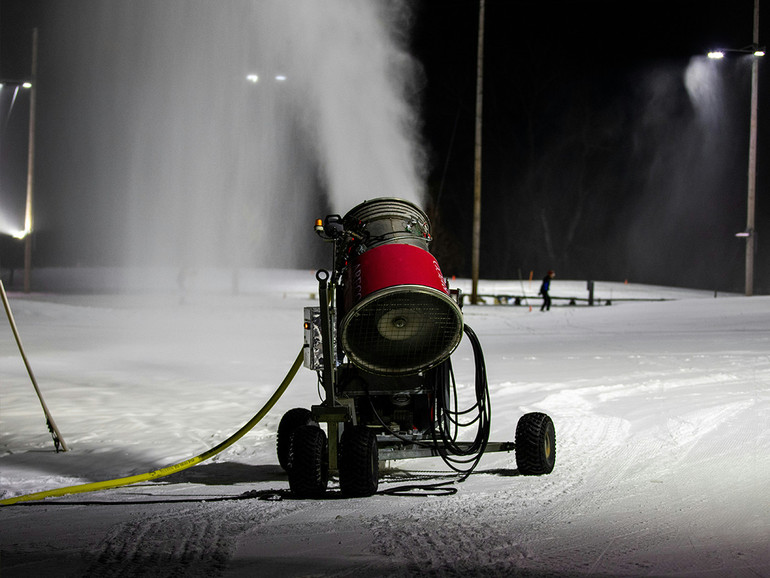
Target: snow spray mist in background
point(192, 133)
point(686, 157)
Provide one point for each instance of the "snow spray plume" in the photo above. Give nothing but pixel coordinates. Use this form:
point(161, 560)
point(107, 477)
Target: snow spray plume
point(685, 165)
point(206, 127)
point(356, 79)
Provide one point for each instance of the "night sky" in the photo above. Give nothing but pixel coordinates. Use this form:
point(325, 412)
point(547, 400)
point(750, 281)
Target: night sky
point(595, 162)
point(606, 155)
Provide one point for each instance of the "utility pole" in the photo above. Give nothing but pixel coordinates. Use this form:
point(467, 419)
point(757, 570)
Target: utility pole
point(751, 239)
point(477, 163)
point(28, 220)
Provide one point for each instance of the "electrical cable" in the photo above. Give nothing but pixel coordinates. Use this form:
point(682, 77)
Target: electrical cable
point(167, 471)
point(394, 433)
point(439, 489)
point(446, 428)
point(446, 413)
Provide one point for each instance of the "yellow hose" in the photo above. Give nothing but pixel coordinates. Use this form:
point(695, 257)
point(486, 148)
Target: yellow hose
point(118, 482)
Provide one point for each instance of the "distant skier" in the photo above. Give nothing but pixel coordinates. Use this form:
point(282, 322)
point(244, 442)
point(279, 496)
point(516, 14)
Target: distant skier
point(544, 288)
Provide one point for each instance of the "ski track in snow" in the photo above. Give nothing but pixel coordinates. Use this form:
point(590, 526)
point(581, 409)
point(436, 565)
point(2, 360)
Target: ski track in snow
point(661, 413)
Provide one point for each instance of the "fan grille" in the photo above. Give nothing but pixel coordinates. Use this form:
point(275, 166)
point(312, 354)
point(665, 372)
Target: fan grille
point(401, 330)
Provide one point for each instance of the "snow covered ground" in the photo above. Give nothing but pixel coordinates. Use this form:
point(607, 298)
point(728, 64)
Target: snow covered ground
point(662, 413)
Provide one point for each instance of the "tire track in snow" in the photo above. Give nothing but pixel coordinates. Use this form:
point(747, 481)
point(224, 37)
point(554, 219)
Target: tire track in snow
point(614, 505)
point(503, 532)
point(191, 541)
point(640, 474)
point(451, 537)
point(171, 544)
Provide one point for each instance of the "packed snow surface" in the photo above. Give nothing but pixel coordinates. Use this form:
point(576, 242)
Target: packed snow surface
point(661, 408)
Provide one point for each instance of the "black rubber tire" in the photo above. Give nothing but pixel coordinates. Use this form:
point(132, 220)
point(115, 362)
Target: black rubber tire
point(535, 444)
point(359, 465)
point(290, 421)
point(308, 462)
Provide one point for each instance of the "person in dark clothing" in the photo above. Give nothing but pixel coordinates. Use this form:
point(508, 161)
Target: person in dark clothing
point(544, 288)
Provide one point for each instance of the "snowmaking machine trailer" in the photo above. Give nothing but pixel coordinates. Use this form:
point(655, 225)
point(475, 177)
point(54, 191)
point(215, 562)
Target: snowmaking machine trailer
point(380, 341)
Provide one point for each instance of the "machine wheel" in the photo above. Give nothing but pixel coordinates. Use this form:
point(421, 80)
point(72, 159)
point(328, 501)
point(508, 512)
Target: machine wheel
point(359, 462)
point(535, 444)
point(290, 421)
point(308, 462)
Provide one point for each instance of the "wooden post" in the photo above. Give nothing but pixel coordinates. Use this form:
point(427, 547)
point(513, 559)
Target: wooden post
point(477, 164)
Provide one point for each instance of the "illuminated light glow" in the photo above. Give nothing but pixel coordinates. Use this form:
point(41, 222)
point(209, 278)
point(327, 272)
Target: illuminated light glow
point(743, 234)
point(253, 78)
point(716, 54)
point(27, 85)
point(759, 53)
point(280, 77)
point(10, 226)
point(27, 217)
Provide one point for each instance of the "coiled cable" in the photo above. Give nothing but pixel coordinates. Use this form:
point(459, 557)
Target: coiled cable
point(449, 422)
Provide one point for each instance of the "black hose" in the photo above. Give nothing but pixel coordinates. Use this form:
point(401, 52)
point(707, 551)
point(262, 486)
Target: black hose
point(446, 426)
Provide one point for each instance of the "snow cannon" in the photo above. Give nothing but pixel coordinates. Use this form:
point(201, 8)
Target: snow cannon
point(381, 340)
point(397, 317)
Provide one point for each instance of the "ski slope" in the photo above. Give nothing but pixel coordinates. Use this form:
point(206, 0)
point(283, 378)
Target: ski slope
point(661, 408)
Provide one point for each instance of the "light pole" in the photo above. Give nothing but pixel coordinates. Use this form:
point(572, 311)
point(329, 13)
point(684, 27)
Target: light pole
point(28, 222)
point(10, 225)
point(26, 233)
point(750, 232)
